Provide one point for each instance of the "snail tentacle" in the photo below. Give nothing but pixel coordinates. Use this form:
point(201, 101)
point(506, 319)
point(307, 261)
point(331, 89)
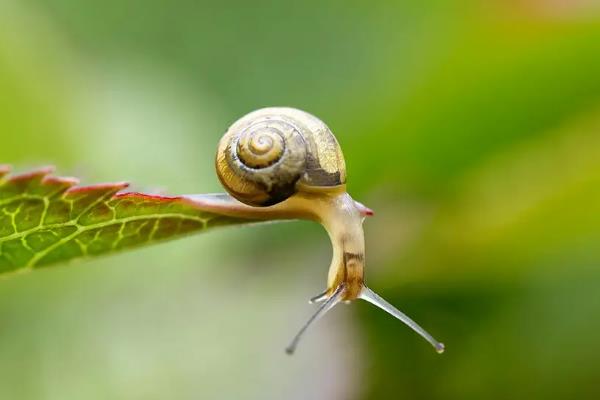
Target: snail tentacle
point(331, 302)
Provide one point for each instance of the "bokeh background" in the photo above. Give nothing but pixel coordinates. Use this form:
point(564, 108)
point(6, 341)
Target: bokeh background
point(471, 127)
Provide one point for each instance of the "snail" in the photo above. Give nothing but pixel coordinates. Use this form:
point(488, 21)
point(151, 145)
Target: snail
point(284, 163)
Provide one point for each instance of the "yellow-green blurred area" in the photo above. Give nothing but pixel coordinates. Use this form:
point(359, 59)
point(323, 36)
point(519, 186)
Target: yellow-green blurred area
point(472, 129)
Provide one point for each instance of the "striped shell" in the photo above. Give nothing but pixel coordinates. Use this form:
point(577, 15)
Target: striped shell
point(266, 155)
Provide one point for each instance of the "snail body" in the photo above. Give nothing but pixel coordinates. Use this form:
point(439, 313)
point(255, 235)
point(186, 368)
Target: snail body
point(284, 163)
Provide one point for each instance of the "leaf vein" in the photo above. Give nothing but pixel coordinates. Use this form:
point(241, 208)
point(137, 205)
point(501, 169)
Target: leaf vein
point(80, 229)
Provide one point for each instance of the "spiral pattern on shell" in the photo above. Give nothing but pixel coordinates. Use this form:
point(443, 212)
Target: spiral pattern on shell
point(260, 147)
point(264, 154)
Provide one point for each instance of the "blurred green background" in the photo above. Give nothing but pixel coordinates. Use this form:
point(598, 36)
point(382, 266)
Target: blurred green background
point(471, 127)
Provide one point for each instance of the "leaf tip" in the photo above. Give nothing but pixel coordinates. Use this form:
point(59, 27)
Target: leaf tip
point(39, 174)
point(60, 180)
point(4, 170)
point(115, 187)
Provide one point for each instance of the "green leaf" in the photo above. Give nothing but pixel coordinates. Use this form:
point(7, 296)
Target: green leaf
point(46, 220)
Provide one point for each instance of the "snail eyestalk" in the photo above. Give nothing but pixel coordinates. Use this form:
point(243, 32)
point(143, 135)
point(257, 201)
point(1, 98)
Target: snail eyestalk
point(321, 297)
point(373, 298)
point(322, 310)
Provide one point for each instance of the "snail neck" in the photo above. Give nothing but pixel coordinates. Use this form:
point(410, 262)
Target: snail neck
point(342, 218)
point(333, 207)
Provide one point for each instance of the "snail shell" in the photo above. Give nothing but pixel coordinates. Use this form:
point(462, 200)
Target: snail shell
point(269, 154)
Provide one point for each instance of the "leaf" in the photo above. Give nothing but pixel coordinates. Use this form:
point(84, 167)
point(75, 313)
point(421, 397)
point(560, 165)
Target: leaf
point(46, 220)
